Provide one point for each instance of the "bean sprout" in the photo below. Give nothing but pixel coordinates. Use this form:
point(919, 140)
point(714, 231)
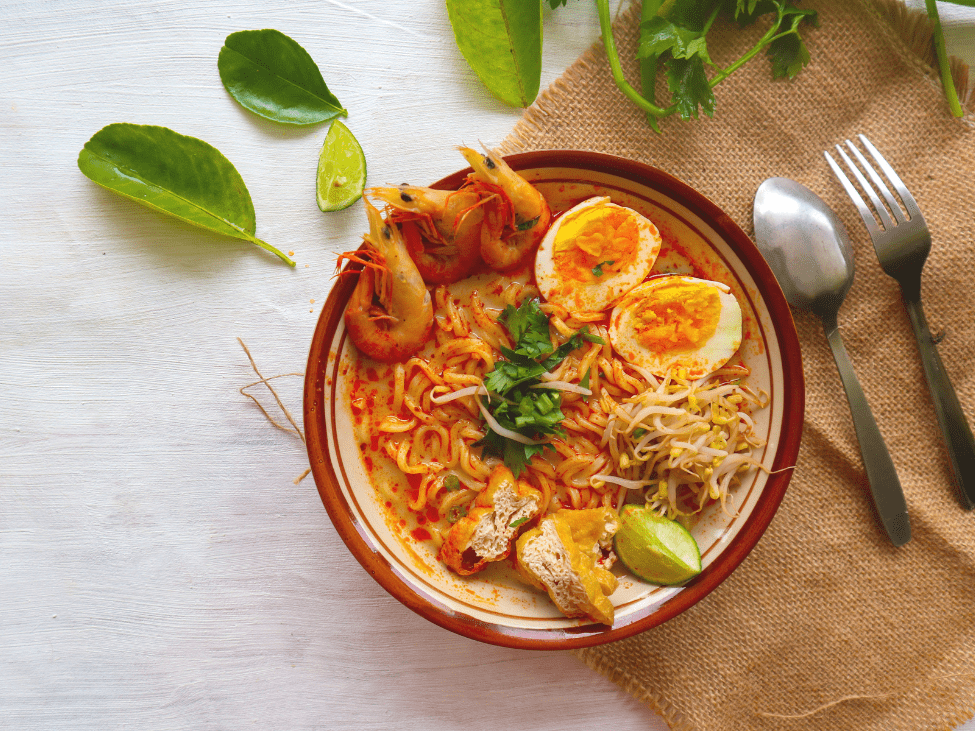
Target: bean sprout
point(678, 443)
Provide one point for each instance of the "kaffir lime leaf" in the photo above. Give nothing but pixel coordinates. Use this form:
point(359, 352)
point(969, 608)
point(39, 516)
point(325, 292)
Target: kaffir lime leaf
point(656, 549)
point(341, 169)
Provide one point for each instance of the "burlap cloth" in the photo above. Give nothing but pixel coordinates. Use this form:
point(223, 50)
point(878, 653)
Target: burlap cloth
point(825, 625)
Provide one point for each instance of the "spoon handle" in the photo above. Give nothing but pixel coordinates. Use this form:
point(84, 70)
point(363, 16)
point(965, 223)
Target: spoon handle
point(951, 417)
point(884, 483)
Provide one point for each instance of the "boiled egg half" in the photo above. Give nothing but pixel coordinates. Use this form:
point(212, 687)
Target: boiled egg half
point(676, 323)
point(593, 254)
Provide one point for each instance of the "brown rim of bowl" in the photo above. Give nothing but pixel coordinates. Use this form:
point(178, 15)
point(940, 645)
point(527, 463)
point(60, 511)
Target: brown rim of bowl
point(593, 634)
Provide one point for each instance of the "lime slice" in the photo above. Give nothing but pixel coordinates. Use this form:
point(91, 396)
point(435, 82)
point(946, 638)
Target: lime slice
point(341, 169)
point(656, 549)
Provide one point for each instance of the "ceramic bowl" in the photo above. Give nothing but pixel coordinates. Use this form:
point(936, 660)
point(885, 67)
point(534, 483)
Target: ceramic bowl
point(494, 606)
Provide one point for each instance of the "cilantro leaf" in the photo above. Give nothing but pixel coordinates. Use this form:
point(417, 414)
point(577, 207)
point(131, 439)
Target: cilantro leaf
point(516, 399)
point(529, 224)
point(788, 52)
point(573, 343)
point(789, 56)
point(528, 326)
point(521, 521)
point(659, 35)
point(690, 88)
point(597, 270)
point(691, 14)
point(515, 455)
point(509, 373)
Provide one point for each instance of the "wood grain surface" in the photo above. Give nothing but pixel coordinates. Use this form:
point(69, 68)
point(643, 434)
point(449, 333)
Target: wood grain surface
point(160, 568)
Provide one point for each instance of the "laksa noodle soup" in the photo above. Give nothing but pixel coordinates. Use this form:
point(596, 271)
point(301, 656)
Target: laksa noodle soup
point(545, 384)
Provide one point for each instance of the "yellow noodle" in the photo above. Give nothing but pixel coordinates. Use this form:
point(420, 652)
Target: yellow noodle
point(456, 378)
point(400, 453)
point(467, 347)
point(421, 497)
point(423, 365)
point(561, 328)
point(495, 335)
point(472, 464)
point(599, 429)
point(422, 444)
point(575, 499)
point(399, 378)
point(394, 424)
point(458, 497)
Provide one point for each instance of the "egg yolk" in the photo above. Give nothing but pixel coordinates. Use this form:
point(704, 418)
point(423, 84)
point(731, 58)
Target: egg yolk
point(594, 243)
point(677, 316)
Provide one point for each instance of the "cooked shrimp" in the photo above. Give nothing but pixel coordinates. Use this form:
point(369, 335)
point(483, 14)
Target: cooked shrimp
point(516, 216)
point(390, 313)
point(442, 229)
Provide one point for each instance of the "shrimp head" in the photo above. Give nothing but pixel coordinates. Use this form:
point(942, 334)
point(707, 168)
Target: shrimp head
point(390, 312)
point(442, 229)
point(516, 214)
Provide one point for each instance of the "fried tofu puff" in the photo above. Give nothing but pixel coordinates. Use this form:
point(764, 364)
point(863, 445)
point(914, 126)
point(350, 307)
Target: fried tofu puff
point(488, 531)
point(562, 556)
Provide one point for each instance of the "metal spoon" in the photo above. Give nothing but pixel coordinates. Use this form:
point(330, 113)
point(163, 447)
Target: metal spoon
point(810, 254)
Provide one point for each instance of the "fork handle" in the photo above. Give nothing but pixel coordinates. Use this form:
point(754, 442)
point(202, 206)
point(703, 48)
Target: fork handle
point(951, 417)
point(888, 496)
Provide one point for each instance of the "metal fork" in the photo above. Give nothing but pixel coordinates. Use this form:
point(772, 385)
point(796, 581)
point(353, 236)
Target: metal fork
point(902, 242)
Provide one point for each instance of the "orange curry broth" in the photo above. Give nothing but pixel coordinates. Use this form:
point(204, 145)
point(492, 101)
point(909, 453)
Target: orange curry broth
point(370, 390)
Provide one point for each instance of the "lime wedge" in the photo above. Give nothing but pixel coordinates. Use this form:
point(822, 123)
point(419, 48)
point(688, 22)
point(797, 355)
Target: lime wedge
point(341, 169)
point(656, 549)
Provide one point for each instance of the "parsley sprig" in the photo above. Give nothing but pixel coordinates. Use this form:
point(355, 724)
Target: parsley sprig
point(533, 412)
point(673, 40)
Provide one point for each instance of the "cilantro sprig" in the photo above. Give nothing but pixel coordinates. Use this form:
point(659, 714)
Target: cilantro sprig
point(514, 398)
point(673, 41)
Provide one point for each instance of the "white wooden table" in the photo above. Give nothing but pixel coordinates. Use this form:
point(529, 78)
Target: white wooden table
point(158, 567)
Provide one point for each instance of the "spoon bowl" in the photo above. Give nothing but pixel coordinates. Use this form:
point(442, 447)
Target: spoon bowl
point(805, 243)
point(809, 251)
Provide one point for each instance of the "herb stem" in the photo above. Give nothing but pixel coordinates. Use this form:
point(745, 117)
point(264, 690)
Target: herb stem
point(606, 29)
point(766, 39)
point(942, 52)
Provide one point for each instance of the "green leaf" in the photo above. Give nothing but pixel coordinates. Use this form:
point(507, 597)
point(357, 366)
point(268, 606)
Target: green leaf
point(787, 52)
point(174, 174)
point(516, 455)
point(502, 42)
point(690, 14)
point(597, 271)
point(658, 35)
point(585, 380)
point(573, 343)
point(271, 75)
point(789, 56)
point(690, 88)
point(513, 372)
point(648, 65)
point(526, 225)
point(528, 326)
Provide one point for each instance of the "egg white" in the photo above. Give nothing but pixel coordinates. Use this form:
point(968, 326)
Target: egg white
point(695, 363)
point(598, 285)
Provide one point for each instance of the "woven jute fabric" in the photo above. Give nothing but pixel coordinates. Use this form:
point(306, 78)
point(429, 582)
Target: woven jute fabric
point(825, 625)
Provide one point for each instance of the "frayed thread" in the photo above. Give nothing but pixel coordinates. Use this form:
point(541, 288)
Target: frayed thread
point(294, 429)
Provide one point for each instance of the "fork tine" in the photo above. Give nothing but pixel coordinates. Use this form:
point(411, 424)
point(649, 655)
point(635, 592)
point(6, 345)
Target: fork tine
point(878, 206)
point(865, 213)
point(909, 203)
point(879, 184)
